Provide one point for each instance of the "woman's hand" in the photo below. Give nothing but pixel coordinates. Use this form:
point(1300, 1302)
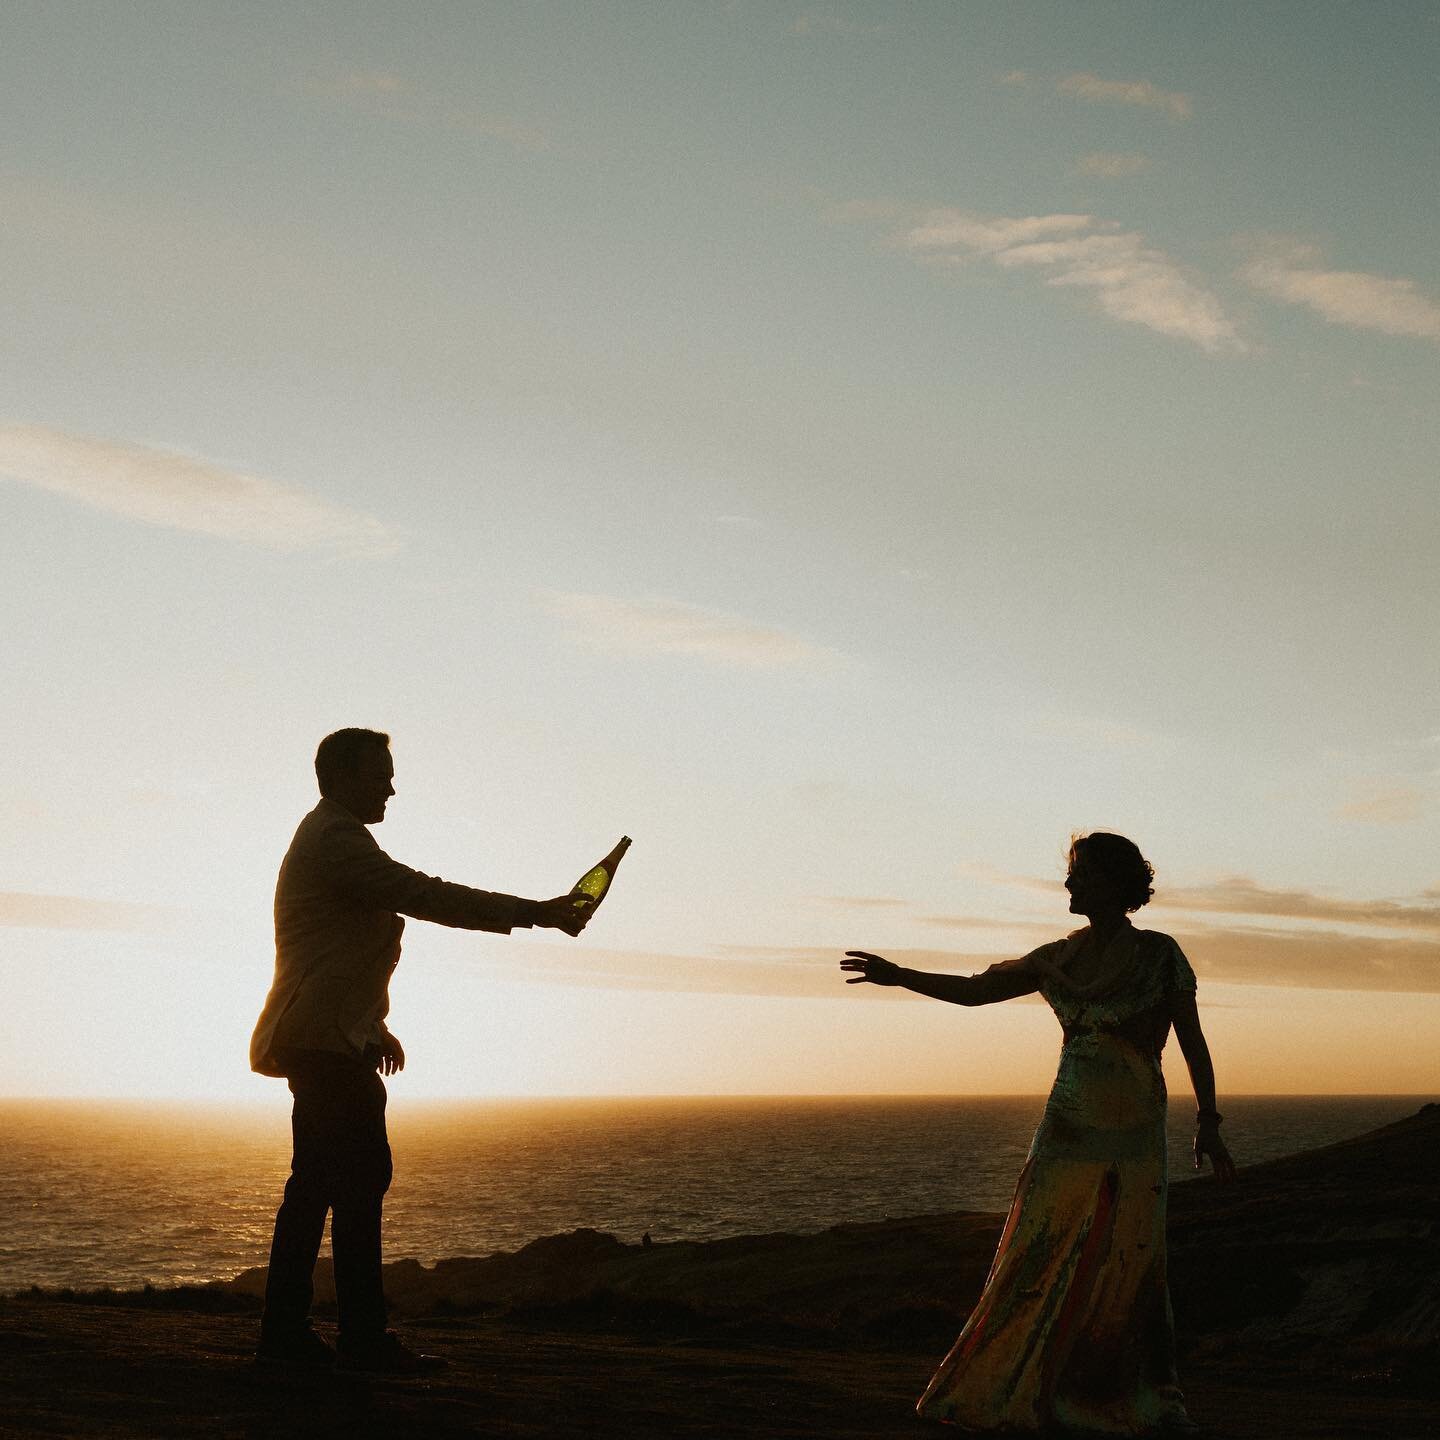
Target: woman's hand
point(871, 969)
point(1208, 1142)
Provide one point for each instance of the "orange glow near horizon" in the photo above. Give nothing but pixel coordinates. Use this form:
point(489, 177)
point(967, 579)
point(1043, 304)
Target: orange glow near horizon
point(468, 1034)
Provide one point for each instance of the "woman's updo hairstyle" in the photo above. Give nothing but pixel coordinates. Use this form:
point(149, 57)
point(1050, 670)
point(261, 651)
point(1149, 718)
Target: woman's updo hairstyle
point(1120, 859)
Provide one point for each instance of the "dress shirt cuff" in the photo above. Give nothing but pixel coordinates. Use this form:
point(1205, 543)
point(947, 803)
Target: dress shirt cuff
point(527, 913)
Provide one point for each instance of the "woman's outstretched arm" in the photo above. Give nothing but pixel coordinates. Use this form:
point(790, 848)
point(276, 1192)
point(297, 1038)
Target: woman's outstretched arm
point(1202, 1076)
point(1000, 982)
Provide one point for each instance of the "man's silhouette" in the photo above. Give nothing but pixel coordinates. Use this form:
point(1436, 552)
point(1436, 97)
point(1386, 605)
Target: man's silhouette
point(338, 907)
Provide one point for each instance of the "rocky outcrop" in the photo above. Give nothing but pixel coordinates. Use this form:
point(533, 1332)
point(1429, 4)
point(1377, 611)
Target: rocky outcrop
point(1331, 1247)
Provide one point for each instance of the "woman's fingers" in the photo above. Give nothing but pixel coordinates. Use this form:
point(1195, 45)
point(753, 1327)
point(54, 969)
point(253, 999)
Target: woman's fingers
point(875, 969)
point(1220, 1161)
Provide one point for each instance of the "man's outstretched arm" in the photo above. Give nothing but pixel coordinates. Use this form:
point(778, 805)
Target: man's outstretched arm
point(360, 869)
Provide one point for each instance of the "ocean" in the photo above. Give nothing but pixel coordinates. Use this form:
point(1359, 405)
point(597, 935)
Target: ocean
point(131, 1193)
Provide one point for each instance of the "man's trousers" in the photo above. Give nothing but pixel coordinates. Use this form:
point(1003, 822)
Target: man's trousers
point(341, 1164)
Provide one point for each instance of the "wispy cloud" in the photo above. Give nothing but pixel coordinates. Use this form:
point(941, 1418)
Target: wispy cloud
point(183, 492)
point(1327, 950)
point(1095, 730)
point(1110, 165)
point(1238, 895)
point(1084, 86)
point(1229, 954)
point(1391, 305)
point(1395, 805)
point(960, 232)
point(1237, 955)
point(24, 911)
point(1006, 880)
point(498, 127)
point(860, 902)
point(658, 626)
point(1132, 280)
point(819, 21)
point(387, 95)
point(1320, 960)
point(796, 973)
point(365, 83)
point(375, 94)
point(988, 922)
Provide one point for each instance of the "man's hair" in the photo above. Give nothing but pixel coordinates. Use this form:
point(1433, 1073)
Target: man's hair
point(339, 754)
point(1121, 860)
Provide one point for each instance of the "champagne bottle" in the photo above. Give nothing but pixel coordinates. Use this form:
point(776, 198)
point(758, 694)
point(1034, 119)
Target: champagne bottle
point(593, 886)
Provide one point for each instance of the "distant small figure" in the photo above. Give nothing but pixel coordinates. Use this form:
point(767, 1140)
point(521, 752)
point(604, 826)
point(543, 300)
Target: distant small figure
point(1073, 1328)
point(338, 907)
point(645, 1241)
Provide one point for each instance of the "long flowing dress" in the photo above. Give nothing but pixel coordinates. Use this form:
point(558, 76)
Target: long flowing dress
point(1073, 1329)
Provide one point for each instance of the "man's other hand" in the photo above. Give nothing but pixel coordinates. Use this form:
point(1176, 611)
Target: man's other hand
point(570, 913)
point(392, 1055)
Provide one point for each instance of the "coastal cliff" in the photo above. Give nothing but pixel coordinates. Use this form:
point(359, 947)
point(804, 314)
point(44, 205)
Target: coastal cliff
point(1307, 1298)
point(1335, 1248)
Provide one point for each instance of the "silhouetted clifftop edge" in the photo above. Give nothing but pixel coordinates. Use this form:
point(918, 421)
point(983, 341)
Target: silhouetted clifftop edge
point(1330, 1250)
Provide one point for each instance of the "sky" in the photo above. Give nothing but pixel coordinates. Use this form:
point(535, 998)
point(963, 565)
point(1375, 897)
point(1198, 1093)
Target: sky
point(848, 448)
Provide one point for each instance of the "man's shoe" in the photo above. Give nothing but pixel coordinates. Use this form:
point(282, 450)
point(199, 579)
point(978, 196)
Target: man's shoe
point(295, 1349)
point(389, 1355)
point(1178, 1425)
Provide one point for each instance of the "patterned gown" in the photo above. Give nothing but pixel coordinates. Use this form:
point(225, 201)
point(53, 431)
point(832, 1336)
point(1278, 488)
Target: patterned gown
point(1074, 1329)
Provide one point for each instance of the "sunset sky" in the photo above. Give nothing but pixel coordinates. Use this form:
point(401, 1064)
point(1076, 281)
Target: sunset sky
point(845, 447)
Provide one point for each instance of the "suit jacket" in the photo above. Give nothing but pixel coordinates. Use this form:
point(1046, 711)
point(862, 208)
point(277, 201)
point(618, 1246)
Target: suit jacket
point(338, 907)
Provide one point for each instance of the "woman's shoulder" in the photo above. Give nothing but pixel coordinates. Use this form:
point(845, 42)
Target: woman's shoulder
point(1163, 947)
point(1156, 939)
point(1051, 951)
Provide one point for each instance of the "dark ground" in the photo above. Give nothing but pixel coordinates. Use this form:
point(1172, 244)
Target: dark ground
point(74, 1370)
point(1308, 1297)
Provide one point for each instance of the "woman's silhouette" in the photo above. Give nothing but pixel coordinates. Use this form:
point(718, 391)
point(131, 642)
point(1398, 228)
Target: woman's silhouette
point(1073, 1328)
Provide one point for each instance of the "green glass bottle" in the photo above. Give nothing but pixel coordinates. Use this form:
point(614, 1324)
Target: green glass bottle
point(593, 886)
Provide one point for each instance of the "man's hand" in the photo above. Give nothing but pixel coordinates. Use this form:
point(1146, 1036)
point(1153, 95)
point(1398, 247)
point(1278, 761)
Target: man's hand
point(392, 1055)
point(570, 913)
